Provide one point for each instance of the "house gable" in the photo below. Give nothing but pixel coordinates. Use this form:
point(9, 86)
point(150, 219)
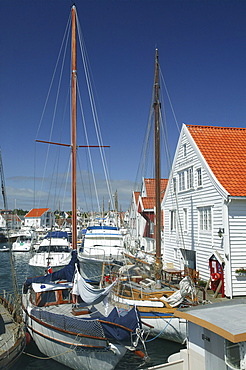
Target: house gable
point(224, 149)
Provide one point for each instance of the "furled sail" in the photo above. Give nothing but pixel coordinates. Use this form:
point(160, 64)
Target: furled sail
point(186, 287)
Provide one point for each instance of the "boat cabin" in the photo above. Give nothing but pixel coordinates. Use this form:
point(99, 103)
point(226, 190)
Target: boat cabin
point(216, 337)
point(50, 294)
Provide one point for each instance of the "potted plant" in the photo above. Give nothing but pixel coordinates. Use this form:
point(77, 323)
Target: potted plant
point(241, 271)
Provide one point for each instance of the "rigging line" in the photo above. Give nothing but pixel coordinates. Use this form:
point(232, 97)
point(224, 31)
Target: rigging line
point(66, 182)
point(64, 179)
point(88, 149)
point(169, 99)
point(150, 340)
point(142, 168)
point(54, 73)
point(94, 110)
point(64, 42)
point(179, 222)
point(82, 183)
point(163, 124)
point(147, 137)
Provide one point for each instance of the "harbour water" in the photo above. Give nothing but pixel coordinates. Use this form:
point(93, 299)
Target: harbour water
point(158, 349)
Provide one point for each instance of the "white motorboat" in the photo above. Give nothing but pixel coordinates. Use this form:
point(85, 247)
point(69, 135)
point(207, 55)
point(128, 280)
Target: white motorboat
point(54, 252)
point(101, 248)
point(22, 244)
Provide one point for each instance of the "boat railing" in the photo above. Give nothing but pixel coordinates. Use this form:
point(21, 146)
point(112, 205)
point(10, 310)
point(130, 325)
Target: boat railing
point(12, 305)
point(98, 252)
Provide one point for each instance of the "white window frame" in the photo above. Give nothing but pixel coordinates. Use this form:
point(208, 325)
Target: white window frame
point(205, 219)
point(199, 177)
point(189, 178)
point(182, 181)
point(174, 185)
point(232, 355)
point(173, 220)
point(186, 179)
point(151, 227)
point(185, 219)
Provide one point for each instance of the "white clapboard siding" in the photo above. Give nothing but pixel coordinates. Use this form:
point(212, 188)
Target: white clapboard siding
point(204, 243)
point(237, 224)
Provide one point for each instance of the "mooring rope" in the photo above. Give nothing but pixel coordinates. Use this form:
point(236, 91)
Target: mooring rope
point(150, 340)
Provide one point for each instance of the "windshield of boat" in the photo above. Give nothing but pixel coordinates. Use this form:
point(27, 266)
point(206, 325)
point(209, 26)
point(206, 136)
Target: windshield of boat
point(53, 248)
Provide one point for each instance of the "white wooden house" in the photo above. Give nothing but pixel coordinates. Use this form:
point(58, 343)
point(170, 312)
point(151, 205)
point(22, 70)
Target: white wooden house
point(205, 206)
point(40, 218)
point(9, 220)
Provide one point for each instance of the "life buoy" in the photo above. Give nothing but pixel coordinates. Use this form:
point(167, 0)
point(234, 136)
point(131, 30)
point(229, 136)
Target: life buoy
point(215, 276)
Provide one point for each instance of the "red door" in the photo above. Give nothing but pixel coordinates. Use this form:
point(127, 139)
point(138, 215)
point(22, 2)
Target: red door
point(216, 275)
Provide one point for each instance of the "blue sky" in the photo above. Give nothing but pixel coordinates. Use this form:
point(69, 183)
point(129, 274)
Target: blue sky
point(202, 55)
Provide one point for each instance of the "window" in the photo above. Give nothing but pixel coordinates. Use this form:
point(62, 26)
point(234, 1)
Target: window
point(181, 181)
point(205, 218)
point(190, 178)
point(186, 179)
point(184, 150)
point(199, 177)
point(185, 219)
point(232, 354)
point(173, 220)
point(174, 185)
point(151, 227)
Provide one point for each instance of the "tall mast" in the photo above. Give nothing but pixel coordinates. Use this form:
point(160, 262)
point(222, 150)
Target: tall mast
point(74, 134)
point(158, 263)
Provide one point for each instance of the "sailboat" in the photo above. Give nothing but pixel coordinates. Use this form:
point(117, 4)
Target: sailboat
point(12, 333)
point(155, 300)
point(69, 320)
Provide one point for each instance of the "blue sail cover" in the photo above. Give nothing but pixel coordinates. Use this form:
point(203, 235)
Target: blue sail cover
point(66, 273)
point(56, 234)
point(103, 227)
point(129, 319)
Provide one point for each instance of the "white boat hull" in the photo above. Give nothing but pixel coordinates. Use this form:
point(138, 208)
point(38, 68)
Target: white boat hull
point(21, 247)
point(69, 350)
point(172, 329)
point(162, 325)
point(79, 344)
point(39, 261)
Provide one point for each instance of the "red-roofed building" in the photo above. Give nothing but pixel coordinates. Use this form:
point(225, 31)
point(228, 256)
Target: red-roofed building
point(40, 217)
point(142, 213)
point(9, 220)
point(205, 206)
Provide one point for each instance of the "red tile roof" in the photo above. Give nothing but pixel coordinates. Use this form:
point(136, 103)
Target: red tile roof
point(36, 212)
point(224, 149)
point(136, 195)
point(148, 203)
point(150, 187)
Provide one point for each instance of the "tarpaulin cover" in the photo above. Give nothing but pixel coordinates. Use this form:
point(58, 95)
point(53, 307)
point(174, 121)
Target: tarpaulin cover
point(2, 325)
point(87, 292)
point(129, 319)
point(66, 273)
